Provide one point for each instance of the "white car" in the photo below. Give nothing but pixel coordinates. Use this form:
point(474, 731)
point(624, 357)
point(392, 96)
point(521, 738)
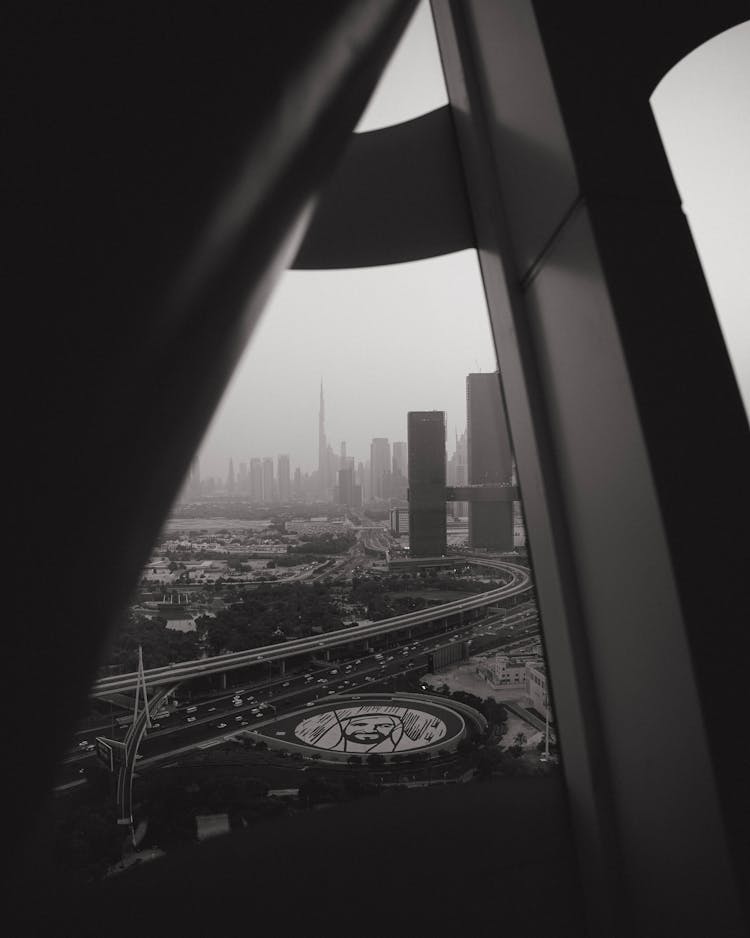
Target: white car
point(238, 719)
point(310, 703)
point(220, 726)
point(191, 719)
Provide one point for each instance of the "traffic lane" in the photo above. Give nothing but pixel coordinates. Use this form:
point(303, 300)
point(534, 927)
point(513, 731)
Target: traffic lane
point(221, 709)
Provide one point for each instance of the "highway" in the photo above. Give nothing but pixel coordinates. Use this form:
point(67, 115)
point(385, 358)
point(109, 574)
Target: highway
point(213, 721)
point(519, 582)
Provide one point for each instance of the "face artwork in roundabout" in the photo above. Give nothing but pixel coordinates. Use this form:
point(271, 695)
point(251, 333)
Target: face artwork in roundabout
point(377, 727)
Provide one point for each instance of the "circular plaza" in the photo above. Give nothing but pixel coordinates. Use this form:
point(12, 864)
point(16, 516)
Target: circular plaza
point(364, 724)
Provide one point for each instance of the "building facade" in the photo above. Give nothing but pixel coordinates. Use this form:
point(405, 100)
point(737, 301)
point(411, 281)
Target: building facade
point(285, 489)
point(490, 461)
point(427, 524)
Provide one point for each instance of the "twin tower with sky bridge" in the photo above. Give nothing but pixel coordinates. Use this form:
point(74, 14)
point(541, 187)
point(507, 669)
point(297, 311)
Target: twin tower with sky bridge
point(490, 489)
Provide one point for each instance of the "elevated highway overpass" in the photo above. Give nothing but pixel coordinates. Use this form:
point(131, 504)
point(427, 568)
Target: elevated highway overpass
point(519, 582)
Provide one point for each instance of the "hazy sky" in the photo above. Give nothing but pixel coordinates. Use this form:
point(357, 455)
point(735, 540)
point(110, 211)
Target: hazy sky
point(387, 340)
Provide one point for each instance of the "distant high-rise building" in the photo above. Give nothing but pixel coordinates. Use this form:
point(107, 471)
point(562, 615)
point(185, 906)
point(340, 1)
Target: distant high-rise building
point(256, 480)
point(458, 474)
point(230, 477)
point(284, 480)
point(243, 480)
point(380, 467)
point(297, 483)
point(323, 466)
point(346, 487)
point(400, 459)
point(268, 492)
point(490, 460)
point(399, 473)
point(427, 526)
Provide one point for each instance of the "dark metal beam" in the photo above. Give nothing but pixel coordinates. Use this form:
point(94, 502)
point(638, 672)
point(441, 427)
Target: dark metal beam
point(397, 195)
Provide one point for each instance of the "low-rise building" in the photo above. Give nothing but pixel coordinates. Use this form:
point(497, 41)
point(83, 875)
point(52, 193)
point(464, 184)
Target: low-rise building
point(537, 687)
point(503, 671)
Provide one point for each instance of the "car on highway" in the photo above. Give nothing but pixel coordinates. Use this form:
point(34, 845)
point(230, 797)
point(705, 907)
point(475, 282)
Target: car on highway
point(310, 703)
point(236, 703)
point(83, 743)
point(220, 726)
point(155, 726)
point(285, 684)
point(191, 719)
point(358, 661)
point(211, 709)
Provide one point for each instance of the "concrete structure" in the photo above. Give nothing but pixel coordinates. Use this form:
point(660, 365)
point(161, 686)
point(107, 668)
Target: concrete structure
point(399, 521)
point(503, 671)
point(427, 525)
point(536, 687)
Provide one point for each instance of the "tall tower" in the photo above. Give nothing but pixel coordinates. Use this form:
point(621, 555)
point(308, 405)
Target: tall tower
point(380, 468)
point(284, 480)
point(268, 493)
point(323, 480)
point(256, 480)
point(426, 442)
point(490, 460)
point(230, 477)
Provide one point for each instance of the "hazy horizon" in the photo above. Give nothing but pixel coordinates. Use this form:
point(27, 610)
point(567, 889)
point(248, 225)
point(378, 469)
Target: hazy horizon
point(403, 337)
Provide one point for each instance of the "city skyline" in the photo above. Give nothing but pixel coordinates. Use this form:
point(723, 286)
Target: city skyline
point(411, 332)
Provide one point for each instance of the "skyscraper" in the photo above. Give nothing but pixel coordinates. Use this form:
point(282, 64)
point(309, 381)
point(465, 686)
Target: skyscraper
point(490, 460)
point(380, 467)
point(323, 466)
point(426, 440)
point(284, 478)
point(256, 480)
point(268, 492)
point(400, 460)
point(230, 477)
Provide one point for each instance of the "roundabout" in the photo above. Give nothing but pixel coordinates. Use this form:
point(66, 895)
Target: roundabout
point(388, 725)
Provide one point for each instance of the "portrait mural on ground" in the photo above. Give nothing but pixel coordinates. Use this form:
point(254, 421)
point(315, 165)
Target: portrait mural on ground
point(374, 728)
